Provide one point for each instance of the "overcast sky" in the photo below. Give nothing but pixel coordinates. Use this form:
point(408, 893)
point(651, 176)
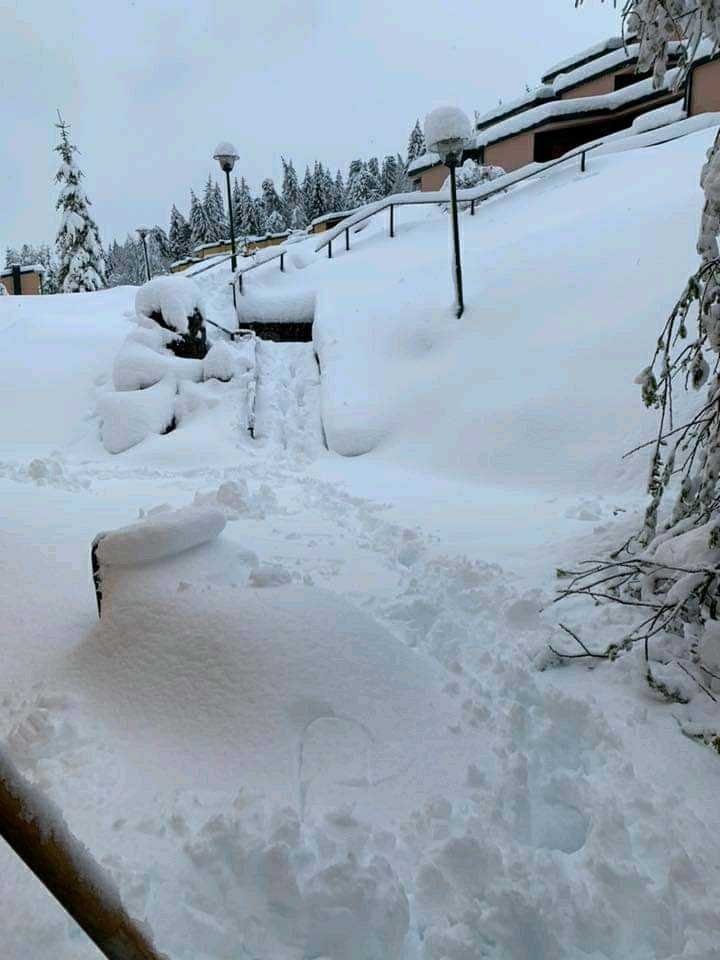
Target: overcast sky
point(151, 86)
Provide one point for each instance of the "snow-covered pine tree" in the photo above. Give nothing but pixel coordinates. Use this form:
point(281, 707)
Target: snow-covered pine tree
point(389, 175)
point(217, 228)
point(298, 220)
point(81, 261)
point(260, 216)
point(340, 192)
point(318, 201)
point(246, 223)
point(197, 221)
point(306, 194)
point(12, 257)
point(276, 223)
point(329, 196)
point(416, 143)
point(179, 236)
point(290, 187)
point(271, 201)
point(364, 188)
point(678, 601)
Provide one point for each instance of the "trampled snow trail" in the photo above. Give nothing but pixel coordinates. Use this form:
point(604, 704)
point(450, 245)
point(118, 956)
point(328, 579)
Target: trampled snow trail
point(287, 405)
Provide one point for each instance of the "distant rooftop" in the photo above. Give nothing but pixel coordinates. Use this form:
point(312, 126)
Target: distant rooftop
point(504, 110)
point(585, 56)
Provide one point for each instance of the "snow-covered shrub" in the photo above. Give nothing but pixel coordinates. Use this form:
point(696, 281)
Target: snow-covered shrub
point(471, 174)
point(139, 365)
point(175, 303)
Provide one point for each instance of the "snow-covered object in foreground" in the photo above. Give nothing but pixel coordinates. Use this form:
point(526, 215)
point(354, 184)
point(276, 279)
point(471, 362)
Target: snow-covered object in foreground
point(446, 123)
point(159, 535)
point(220, 362)
point(128, 417)
point(176, 298)
point(138, 366)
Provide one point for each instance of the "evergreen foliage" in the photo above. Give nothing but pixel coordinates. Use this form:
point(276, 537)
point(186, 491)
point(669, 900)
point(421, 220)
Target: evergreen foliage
point(416, 143)
point(179, 236)
point(198, 221)
point(81, 262)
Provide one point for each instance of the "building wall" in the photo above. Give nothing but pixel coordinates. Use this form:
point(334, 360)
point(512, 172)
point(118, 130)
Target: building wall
point(590, 88)
point(29, 284)
point(511, 153)
point(705, 92)
point(434, 178)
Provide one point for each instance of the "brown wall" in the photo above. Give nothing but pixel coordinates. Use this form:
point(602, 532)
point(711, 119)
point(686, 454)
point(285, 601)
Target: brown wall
point(260, 245)
point(705, 93)
point(512, 153)
point(29, 284)
point(590, 88)
point(434, 178)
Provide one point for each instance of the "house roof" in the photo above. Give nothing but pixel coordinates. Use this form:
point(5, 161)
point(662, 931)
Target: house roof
point(544, 92)
point(580, 107)
point(330, 216)
point(585, 56)
point(24, 268)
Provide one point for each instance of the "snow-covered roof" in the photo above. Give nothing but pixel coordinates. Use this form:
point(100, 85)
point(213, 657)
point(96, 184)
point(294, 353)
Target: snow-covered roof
point(607, 64)
point(25, 268)
point(330, 216)
point(183, 261)
point(212, 243)
point(597, 50)
point(564, 109)
point(503, 110)
point(423, 162)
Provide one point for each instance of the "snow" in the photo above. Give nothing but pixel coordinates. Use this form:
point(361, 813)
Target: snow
point(446, 123)
point(591, 53)
point(612, 61)
point(176, 298)
point(160, 535)
point(324, 732)
point(543, 92)
point(140, 364)
point(128, 417)
point(219, 362)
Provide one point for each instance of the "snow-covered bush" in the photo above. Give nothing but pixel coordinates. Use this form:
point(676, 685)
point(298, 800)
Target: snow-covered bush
point(471, 174)
point(175, 304)
point(128, 418)
point(220, 362)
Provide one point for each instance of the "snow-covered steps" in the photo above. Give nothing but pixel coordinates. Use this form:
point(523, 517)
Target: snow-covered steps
point(287, 403)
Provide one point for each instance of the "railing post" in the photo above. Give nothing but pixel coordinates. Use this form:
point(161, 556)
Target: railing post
point(582, 162)
point(329, 249)
point(472, 208)
point(392, 220)
point(282, 263)
point(347, 238)
point(240, 286)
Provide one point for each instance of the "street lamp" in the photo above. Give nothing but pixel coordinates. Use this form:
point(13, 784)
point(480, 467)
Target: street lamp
point(446, 131)
point(142, 233)
point(226, 155)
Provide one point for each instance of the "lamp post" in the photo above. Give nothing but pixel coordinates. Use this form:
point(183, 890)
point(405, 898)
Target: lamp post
point(226, 155)
point(446, 131)
point(142, 233)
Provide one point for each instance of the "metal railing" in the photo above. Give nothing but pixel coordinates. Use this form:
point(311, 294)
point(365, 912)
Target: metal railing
point(473, 195)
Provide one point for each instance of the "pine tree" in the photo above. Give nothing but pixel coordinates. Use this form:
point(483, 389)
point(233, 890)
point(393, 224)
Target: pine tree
point(81, 262)
point(276, 223)
point(389, 175)
point(271, 201)
point(306, 194)
point(260, 216)
point(364, 188)
point(328, 189)
point(198, 221)
point(290, 187)
point(416, 143)
point(246, 222)
point(179, 236)
point(12, 257)
point(298, 220)
point(340, 192)
point(216, 226)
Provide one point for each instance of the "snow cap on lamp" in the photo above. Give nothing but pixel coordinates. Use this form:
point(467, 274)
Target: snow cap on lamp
point(226, 155)
point(446, 131)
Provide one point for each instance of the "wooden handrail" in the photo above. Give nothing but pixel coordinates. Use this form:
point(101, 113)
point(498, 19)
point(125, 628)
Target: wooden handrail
point(36, 831)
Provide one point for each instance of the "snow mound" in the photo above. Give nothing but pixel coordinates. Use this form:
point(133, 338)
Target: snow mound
point(160, 535)
point(139, 364)
point(176, 298)
point(128, 417)
point(220, 362)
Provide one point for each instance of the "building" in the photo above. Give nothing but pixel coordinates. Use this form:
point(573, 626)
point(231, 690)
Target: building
point(328, 220)
point(246, 246)
point(23, 280)
point(592, 95)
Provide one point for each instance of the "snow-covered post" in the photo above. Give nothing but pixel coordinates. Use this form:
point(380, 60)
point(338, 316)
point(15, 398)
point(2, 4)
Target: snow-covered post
point(226, 155)
point(35, 829)
point(446, 131)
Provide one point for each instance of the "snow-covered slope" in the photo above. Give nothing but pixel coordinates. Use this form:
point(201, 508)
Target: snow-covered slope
point(323, 734)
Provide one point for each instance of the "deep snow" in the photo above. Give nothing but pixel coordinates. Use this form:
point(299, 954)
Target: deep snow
point(323, 733)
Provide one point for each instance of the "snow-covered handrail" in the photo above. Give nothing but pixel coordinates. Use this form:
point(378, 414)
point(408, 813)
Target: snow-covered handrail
point(471, 194)
point(278, 254)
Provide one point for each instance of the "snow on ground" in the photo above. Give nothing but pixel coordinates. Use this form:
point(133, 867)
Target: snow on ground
point(323, 733)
